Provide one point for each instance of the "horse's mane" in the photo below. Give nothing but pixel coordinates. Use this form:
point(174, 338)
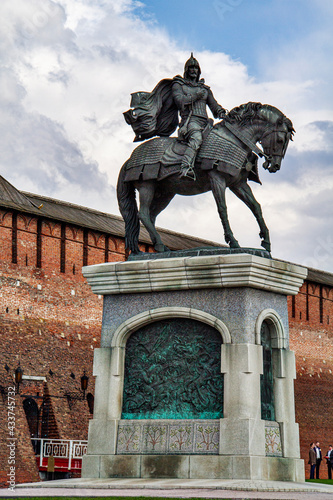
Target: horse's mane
point(245, 114)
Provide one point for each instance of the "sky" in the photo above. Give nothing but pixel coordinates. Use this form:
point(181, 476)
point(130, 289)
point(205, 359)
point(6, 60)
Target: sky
point(68, 67)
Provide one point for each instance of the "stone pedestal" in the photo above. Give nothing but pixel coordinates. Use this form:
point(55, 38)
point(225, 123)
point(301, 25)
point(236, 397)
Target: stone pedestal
point(234, 295)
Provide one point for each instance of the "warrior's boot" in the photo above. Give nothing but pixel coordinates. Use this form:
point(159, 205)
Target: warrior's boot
point(186, 167)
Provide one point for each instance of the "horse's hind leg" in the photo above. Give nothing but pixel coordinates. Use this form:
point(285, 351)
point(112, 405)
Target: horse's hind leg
point(159, 204)
point(244, 193)
point(218, 185)
point(146, 197)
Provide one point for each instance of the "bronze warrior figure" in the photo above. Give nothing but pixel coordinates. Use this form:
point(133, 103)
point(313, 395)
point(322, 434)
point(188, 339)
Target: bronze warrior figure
point(202, 158)
point(192, 97)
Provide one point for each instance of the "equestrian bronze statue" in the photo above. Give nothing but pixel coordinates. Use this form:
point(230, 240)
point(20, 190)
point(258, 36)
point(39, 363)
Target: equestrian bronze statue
point(204, 157)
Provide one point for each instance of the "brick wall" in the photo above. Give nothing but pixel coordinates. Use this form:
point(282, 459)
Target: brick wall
point(50, 322)
point(311, 337)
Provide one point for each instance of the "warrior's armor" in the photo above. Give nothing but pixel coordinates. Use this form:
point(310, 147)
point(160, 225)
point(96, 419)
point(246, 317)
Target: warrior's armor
point(156, 112)
point(192, 97)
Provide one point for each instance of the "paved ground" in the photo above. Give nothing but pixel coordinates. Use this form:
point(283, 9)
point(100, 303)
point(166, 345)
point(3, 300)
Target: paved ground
point(175, 488)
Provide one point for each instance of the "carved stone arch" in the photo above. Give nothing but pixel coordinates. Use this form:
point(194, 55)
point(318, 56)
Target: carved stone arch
point(129, 326)
point(277, 331)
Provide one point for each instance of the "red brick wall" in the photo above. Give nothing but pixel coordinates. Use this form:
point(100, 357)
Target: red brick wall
point(312, 341)
point(5, 235)
point(50, 320)
point(25, 466)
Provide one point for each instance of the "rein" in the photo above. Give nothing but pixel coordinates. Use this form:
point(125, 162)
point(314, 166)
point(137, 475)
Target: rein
point(246, 141)
point(272, 142)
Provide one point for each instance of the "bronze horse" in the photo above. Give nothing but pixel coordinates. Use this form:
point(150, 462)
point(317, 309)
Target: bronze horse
point(226, 159)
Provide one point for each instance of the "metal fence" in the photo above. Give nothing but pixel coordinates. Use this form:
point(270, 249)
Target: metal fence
point(59, 448)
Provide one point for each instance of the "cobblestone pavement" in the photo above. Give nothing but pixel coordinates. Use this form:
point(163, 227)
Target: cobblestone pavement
point(175, 488)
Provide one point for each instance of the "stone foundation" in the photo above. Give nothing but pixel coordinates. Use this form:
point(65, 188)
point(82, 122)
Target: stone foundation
point(193, 467)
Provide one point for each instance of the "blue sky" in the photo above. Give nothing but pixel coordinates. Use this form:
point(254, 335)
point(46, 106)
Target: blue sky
point(68, 68)
point(241, 28)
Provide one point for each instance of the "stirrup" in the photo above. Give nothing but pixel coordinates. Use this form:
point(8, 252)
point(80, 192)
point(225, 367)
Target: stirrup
point(188, 172)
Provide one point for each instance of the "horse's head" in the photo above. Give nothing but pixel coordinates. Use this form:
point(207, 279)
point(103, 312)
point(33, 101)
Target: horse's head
point(275, 137)
point(269, 126)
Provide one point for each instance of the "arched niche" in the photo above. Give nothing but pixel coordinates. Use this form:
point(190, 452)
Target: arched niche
point(276, 328)
point(270, 334)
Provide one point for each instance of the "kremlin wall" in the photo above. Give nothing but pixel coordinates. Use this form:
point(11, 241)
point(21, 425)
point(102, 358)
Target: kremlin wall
point(50, 323)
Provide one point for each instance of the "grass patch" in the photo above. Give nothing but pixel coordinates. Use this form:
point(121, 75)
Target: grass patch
point(322, 481)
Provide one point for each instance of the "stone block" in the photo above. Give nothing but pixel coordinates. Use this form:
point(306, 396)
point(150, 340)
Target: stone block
point(299, 471)
point(102, 437)
point(241, 467)
point(210, 467)
point(90, 466)
point(120, 466)
point(242, 437)
point(165, 466)
point(281, 469)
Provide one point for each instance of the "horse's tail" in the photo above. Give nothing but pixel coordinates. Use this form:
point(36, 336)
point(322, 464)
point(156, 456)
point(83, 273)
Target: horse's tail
point(129, 211)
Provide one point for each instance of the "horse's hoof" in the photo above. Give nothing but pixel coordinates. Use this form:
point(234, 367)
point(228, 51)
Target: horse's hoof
point(234, 243)
point(161, 248)
point(266, 245)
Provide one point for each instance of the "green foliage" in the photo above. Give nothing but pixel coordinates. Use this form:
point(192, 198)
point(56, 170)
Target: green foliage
point(322, 481)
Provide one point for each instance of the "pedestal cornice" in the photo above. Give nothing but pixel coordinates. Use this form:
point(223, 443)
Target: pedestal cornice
point(186, 273)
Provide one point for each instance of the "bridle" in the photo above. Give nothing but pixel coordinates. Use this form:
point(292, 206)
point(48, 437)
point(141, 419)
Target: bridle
point(273, 145)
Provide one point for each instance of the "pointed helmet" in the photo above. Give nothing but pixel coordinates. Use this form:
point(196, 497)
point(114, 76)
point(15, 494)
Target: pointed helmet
point(192, 62)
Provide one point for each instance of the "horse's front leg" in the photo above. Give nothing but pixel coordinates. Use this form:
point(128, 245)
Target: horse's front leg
point(146, 197)
point(244, 193)
point(218, 185)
